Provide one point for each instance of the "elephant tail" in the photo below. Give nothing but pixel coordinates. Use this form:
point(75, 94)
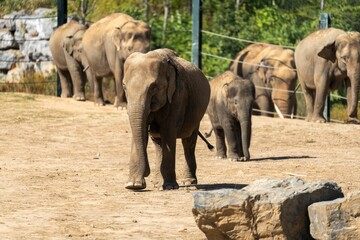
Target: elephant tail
point(210, 147)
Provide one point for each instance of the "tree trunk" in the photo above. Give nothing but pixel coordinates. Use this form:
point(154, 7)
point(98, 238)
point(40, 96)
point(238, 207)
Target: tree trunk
point(166, 19)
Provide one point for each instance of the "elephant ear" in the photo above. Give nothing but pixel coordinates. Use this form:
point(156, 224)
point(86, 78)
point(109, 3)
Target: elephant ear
point(328, 52)
point(225, 92)
point(68, 44)
point(171, 78)
point(262, 69)
point(115, 38)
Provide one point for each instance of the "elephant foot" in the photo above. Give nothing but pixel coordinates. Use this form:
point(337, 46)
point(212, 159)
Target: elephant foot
point(66, 95)
point(169, 186)
point(99, 102)
point(188, 181)
point(120, 105)
point(79, 97)
point(352, 121)
point(136, 185)
point(220, 156)
point(318, 119)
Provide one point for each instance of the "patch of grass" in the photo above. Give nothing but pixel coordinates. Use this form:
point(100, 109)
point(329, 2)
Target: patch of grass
point(32, 83)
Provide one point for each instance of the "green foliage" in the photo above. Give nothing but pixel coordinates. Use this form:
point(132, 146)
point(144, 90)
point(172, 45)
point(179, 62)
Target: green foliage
point(8, 6)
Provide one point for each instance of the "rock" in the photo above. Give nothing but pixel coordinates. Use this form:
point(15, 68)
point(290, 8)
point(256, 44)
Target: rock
point(7, 40)
point(8, 59)
point(265, 209)
point(10, 19)
point(337, 219)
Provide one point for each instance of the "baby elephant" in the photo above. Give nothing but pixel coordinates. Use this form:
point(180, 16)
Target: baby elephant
point(230, 110)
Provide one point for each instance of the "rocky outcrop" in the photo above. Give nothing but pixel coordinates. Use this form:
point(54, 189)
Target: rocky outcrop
point(265, 209)
point(338, 219)
point(24, 43)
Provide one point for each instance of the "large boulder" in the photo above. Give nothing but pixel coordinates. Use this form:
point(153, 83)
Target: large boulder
point(28, 38)
point(338, 219)
point(265, 209)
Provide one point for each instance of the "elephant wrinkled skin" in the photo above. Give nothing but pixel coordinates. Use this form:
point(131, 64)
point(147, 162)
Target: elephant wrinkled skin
point(325, 60)
point(72, 65)
point(166, 98)
point(272, 70)
point(107, 44)
point(229, 110)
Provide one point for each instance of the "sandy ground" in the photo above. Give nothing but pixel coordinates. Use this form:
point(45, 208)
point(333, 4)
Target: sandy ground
point(63, 166)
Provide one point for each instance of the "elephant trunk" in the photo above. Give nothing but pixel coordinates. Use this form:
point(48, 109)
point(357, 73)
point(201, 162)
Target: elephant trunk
point(353, 95)
point(283, 103)
point(246, 137)
point(139, 164)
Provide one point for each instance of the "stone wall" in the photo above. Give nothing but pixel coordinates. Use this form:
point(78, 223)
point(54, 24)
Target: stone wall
point(24, 43)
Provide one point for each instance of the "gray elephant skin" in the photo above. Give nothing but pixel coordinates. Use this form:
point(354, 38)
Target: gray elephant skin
point(327, 60)
point(272, 69)
point(229, 110)
point(166, 98)
point(72, 65)
point(107, 43)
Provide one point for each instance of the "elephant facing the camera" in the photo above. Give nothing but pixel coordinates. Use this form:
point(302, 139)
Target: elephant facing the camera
point(72, 65)
point(327, 60)
point(272, 70)
point(166, 98)
point(229, 110)
point(107, 44)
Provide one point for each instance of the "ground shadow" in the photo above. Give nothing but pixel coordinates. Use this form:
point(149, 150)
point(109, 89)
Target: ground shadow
point(217, 186)
point(280, 158)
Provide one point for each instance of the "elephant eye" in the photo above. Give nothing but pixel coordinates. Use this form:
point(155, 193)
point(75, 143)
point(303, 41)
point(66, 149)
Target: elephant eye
point(124, 87)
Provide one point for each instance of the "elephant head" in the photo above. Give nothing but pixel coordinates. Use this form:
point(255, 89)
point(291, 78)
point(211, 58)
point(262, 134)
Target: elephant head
point(344, 53)
point(278, 74)
point(132, 36)
point(73, 46)
point(239, 96)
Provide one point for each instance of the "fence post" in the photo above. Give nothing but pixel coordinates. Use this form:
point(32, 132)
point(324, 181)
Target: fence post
point(61, 19)
point(196, 32)
point(325, 22)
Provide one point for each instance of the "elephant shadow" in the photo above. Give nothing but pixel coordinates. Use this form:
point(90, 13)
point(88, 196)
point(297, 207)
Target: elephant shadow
point(218, 186)
point(280, 158)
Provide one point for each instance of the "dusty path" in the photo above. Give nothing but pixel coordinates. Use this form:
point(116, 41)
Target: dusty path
point(63, 166)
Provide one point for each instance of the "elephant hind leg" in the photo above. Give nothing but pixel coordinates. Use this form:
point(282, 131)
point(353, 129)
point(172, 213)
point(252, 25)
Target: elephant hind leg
point(66, 83)
point(220, 143)
point(189, 144)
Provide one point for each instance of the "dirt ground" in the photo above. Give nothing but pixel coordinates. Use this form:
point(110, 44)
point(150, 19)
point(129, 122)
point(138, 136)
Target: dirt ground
point(64, 164)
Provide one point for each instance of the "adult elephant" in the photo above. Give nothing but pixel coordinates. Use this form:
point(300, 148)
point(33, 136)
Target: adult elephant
point(166, 98)
point(272, 69)
point(229, 110)
point(326, 59)
point(107, 44)
point(72, 65)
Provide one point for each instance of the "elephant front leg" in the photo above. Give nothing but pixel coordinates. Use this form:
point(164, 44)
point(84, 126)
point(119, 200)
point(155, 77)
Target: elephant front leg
point(138, 167)
point(120, 98)
point(232, 134)
point(79, 87)
point(189, 144)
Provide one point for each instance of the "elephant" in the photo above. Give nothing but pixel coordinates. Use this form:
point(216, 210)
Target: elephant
point(107, 43)
point(167, 97)
point(272, 69)
point(326, 59)
point(72, 65)
point(229, 110)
